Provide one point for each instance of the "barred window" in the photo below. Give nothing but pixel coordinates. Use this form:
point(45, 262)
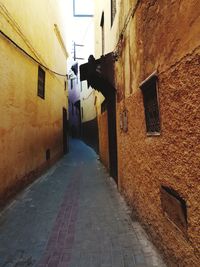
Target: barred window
point(41, 82)
point(150, 99)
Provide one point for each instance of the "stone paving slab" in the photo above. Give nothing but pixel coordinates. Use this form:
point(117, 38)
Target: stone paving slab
point(73, 216)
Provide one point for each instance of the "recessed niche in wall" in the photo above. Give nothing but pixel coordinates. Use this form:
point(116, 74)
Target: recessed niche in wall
point(174, 207)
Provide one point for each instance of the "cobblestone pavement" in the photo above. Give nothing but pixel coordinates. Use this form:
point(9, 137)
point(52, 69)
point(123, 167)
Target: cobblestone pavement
point(73, 216)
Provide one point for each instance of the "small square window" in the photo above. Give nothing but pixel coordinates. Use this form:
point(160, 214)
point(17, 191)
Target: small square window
point(150, 99)
point(174, 207)
point(41, 82)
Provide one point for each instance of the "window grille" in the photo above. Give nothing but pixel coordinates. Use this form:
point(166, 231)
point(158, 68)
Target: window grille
point(150, 99)
point(41, 82)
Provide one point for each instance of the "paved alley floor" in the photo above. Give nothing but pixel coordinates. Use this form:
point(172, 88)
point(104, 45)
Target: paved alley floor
point(73, 216)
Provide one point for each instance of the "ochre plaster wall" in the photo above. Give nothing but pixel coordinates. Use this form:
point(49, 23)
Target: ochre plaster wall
point(165, 40)
point(103, 138)
point(29, 124)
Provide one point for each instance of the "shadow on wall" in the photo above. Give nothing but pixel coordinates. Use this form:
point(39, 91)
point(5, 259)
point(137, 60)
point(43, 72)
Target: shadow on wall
point(89, 134)
point(74, 132)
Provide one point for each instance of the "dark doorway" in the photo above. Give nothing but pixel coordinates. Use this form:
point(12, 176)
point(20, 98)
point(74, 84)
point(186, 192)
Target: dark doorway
point(112, 136)
point(65, 132)
point(100, 75)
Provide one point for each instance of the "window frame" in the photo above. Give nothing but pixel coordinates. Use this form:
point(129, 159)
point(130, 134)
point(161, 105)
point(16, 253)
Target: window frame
point(144, 86)
point(41, 82)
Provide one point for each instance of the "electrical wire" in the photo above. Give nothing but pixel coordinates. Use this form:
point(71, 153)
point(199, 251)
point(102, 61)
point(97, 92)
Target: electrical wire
point(85, 98)
point(31, 57)
point(130, 15)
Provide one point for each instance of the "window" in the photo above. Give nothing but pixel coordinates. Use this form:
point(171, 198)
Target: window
point(150, 99)
point(102, 33)
point(71, 81)
point(174, 207)
point(83, 10)
point(41, 82)
point(95, 100)
point(113, 11)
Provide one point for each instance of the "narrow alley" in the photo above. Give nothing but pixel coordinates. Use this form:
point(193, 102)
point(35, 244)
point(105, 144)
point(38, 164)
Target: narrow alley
point(73, 216)
point(99, 133)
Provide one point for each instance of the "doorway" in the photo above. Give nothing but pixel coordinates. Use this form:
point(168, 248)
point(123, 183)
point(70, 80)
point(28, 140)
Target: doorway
point(112, 136)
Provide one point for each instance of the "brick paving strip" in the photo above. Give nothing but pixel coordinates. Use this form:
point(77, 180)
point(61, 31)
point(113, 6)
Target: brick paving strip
point(73, 216)
point(60, 243)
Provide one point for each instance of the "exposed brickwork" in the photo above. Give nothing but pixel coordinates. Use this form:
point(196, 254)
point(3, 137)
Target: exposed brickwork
point(58, 249)
point(73, 216)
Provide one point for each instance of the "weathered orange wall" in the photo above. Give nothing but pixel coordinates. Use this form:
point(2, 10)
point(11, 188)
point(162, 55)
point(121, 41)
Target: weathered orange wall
point(29, 125)
point(166, 39)
point(103, 138)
